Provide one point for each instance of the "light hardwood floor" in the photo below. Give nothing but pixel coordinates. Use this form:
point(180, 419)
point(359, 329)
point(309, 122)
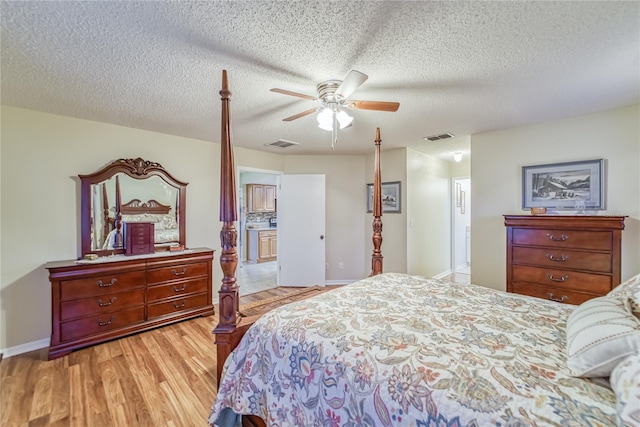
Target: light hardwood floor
point(164, 377)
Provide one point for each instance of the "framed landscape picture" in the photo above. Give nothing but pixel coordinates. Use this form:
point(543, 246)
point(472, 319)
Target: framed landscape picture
point(391, 192)
point(569, 185)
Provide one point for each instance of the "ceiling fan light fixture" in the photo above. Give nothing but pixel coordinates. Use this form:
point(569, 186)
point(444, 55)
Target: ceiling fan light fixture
point(344, 119)
point(325, 119)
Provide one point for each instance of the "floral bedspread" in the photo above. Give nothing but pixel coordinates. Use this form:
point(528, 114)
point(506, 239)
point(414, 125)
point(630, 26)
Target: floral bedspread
point(400, 350)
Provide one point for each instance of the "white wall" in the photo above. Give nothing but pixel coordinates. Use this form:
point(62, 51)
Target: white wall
point(496, 167)
point(428, 214)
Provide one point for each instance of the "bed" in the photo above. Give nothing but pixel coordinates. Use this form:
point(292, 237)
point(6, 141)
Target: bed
point(395, 349)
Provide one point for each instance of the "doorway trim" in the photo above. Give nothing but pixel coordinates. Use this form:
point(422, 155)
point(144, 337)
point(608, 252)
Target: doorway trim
point(460, 222)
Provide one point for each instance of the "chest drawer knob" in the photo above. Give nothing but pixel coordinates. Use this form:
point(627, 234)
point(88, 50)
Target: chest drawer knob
point(181, 273)
point(553, 237)
point(106, 285)
point(176, 305)
point(557, 279)
point(108, 322)
point(563, 298)
point(177, 289)
point(105, 304)
point(561, 259)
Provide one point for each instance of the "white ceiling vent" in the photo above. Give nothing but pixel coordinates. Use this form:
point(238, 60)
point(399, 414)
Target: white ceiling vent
point(282, 143)
point(433, 138)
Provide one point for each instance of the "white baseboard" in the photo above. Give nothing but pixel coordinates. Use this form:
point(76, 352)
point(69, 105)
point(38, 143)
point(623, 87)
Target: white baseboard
point(441, 275)
point(339, 282)
point(25, 348)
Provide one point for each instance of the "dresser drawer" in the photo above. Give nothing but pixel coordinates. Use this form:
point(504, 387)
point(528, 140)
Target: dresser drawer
point(98, 305)
point(177, 272)
point(101, 285)
point(176, 305)
point(563, 258)
point(555, 294)
point(558, 238)
point(562, 279)
point(101, 323)
point(159, 292)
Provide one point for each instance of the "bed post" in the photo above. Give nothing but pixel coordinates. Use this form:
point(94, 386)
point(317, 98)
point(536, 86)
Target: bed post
point(376, 257)
point(228, 294)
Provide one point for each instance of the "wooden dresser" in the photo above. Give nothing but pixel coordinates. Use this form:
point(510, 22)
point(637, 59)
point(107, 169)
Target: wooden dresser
point(97, 301)
point(568, 259)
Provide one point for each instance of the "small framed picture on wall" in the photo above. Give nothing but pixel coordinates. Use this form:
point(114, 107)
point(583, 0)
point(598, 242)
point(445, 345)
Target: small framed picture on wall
point(391, 197)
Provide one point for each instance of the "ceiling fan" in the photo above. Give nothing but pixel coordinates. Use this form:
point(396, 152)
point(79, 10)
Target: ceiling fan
point(333, 99)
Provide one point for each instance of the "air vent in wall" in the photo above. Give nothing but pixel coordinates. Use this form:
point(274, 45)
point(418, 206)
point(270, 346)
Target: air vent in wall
point(282, 143)
point(433, 138)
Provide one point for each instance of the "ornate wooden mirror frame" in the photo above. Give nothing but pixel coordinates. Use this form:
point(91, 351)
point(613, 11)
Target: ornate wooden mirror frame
point(111, 216)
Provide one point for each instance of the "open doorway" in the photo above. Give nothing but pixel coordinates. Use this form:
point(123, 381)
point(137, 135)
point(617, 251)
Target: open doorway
point(461, 230)
point(257, 230)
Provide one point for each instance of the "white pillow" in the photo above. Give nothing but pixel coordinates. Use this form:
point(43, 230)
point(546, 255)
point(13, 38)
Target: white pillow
point(622, 288)
point(629, 292)
point(600, 333)
point(625, 382)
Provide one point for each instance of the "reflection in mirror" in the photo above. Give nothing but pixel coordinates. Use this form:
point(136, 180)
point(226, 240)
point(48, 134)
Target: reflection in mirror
point(131, 190)
point(150, 200)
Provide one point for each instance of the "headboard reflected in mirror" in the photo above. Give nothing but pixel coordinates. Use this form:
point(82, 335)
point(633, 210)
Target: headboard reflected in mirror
point(130, 190)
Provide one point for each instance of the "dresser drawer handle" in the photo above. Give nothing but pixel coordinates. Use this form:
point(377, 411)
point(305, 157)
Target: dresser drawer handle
point(562, 237)
point(561, 259)
point(563, 298)
point(177, 289)
point(105, 304)
point(557, 279)
point(106, 285)
point(179, 305)
point(182, 273)
point(108, 322)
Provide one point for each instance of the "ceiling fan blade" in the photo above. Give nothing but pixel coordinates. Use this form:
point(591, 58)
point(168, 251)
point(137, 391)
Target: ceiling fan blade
point(299, 95)
point(350, 83)
point(374, 105)
point(297, 116)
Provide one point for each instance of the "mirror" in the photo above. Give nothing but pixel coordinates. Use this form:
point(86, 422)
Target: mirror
point(130, 190)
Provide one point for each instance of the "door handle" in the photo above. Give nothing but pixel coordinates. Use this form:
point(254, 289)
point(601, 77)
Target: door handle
point(322, 237)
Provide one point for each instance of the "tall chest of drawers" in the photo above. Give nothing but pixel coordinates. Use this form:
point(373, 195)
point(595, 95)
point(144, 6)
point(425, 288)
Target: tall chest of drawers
point(93, 302)
point(569, 259)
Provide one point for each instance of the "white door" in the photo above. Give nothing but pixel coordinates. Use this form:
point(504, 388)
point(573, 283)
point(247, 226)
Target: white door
point(301, 242)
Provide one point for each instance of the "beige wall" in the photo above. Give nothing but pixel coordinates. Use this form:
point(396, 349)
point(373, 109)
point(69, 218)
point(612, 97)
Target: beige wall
point(496, 167)
point(429, 214)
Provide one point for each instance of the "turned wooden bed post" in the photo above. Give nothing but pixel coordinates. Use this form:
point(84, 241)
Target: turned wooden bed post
point(228, 294)
point(376, 256)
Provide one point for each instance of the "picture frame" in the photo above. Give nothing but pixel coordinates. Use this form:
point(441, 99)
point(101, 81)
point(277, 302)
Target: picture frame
point(567, 186)
point(391, 197)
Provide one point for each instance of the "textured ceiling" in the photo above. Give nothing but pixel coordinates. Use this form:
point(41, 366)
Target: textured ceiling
point(459, 67)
